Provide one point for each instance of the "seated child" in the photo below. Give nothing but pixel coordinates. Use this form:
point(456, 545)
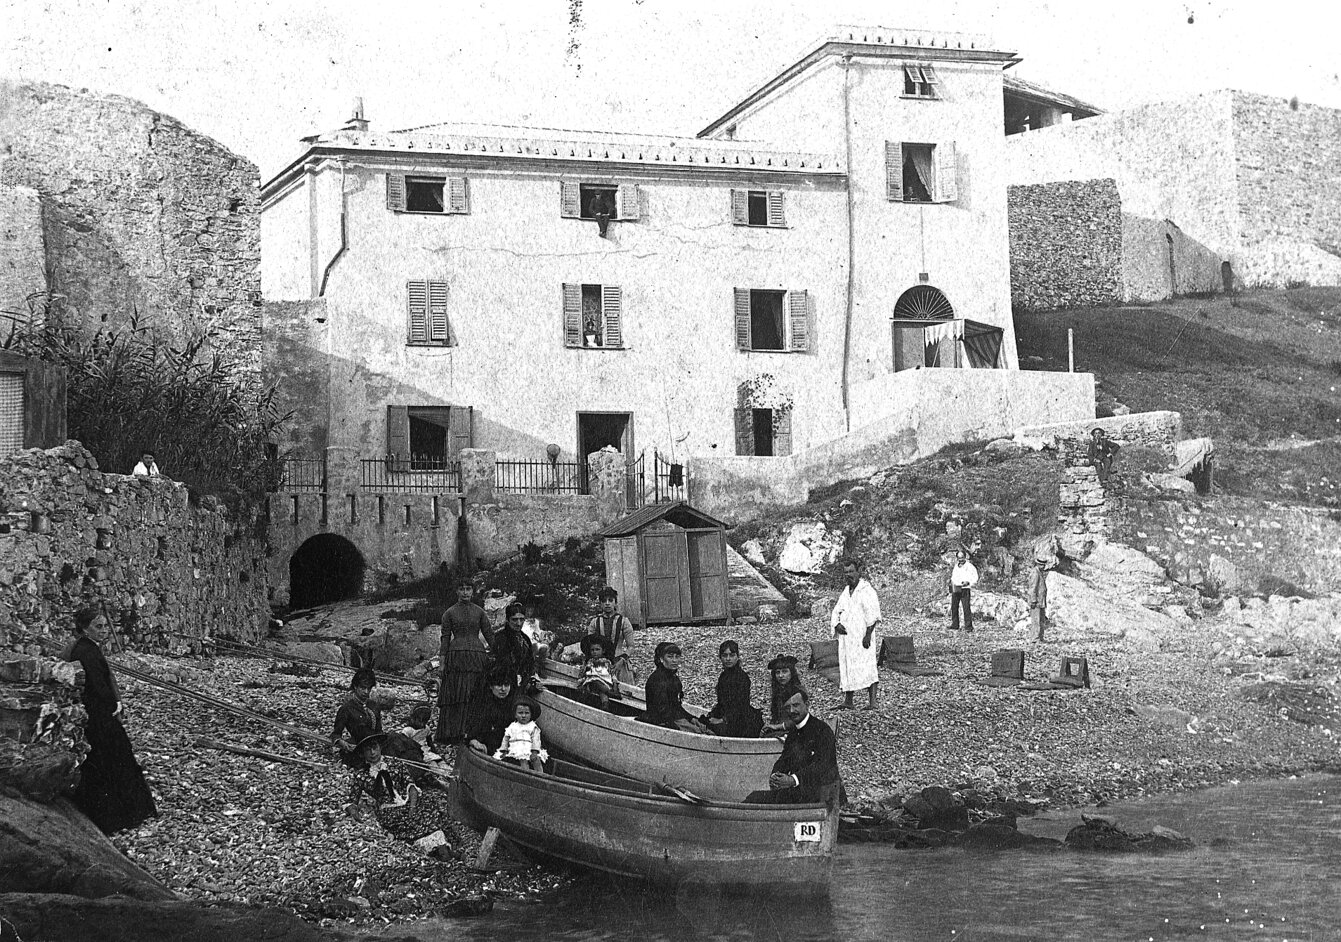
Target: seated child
point(376, 778)
point(417, 729)
point(597, 671)
point(521, 740)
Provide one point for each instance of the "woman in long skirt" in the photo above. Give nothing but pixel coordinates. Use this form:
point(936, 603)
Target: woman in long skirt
point(111, 789)
point(466, 637)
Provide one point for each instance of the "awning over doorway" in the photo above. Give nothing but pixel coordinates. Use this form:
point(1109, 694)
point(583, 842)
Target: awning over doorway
point(954, 344)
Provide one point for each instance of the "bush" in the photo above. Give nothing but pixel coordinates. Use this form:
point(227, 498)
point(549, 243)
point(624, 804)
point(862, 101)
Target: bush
point(128, 390)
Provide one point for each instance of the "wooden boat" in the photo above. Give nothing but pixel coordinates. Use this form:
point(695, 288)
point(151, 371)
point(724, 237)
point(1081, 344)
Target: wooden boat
point(642, 831)
point(715, 767)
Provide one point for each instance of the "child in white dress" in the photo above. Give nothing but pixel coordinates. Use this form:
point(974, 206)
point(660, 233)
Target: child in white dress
point(521, 740)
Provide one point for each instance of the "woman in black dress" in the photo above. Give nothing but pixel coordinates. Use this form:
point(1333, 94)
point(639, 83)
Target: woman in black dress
point(493, 712)
point(512, 649)
point(111, 789)
point(665, 693)
point(733, 715)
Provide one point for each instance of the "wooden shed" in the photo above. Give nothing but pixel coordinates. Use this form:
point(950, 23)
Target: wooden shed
point(668, 564)
point(32, 404)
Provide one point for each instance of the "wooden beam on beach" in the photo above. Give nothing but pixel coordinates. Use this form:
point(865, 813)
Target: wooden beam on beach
point(208, 743)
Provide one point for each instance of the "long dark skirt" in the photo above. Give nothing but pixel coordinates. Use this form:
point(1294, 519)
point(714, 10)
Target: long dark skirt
point(111, 789)
point(462, 684)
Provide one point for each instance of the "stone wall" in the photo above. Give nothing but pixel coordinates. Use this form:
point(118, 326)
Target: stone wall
point(140, 213)
point(1233, 545)
point(1289, 170)
point(22, 249)
point(1065, 244)
point(162, 568)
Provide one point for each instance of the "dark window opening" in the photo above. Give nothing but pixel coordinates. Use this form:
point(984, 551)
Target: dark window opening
point(424, 195)
point(763, 432)
point(918, 183)
point(593, 320)
point(428, 438)
point(596, 200)
point(234, 205)
point(766, 321)
point(758, 208)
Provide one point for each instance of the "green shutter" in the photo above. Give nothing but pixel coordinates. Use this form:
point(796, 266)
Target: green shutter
point(395, 192)
point(740, 207)
point(627, 202)
point(572, 315)
point(437, 312)
point(417, 293)
point(775, 215)
point(458, 195)
point(745, 431)
point(570, 200)
point(798, 321)
point(612, 309)
point(782, 432)
point(894, 171)
point(743, 339)
point(946, 180)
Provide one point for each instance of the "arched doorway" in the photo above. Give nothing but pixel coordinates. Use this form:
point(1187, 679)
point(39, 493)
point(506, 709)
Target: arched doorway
point(916, 307)
point(326, 568)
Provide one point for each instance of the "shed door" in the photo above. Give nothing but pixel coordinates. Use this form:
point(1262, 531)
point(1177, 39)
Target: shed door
point(707, 574)
point(621, 574)
point(11, 413)
point(664, 563)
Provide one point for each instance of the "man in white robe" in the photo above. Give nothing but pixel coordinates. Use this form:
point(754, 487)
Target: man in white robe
point(855, 615)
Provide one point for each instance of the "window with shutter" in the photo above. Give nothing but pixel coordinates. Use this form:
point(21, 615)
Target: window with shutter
point(458, 195)
point(740, 212)
point(570, 200)
point(919, 80)
point(627, 202)
point(395, 192)
point(437, 312)
point(572, 315)
point(744, 431)
point(775, 216)
point(742, 318)
point(893, 171)
point(425, 195)
point(417, 293)
point(798, 318)
point(946, 175)
point(611, 313)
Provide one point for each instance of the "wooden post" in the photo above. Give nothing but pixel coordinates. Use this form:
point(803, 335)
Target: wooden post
point(1070, 350)
point(486, 848)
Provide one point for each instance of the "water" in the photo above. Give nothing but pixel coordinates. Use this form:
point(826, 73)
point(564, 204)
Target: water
point(1273, 873)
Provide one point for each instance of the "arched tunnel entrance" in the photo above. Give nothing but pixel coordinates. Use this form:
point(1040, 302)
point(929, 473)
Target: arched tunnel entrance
point(326, 568)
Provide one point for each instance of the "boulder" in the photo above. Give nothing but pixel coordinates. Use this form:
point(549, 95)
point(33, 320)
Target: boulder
point(1001, 834)
point(53, 848)
point(753, 550)
point(1102, 834)
point(1161, 839)
point(1073, 604)
point(1225, 576)
point(809, 546)
point(326, 652)
point(1164, 715)
point(1170, 482)
point(405, 648)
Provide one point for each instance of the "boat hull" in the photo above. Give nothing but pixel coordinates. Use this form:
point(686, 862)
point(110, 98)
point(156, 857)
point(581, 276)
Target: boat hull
point(716, 767)
point(661, 840)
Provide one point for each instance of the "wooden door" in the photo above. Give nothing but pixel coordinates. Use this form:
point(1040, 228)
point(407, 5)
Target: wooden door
point(707, 574)
point(621, 574)
point(665, 590)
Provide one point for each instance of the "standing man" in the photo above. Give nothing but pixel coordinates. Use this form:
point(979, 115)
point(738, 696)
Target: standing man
point(1038, 597)
point(855, 615)
point(963, 577)
point(466, 639)
point(807, 770)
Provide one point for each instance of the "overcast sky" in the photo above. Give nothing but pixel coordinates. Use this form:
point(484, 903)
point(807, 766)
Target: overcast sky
point(259, 74)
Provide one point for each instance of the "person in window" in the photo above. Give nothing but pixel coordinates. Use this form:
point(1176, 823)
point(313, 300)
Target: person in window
point(733, 714)
point(602, 209)
point(963, 577)
point(512, 651)
point(147, 467)
point(807, 770)
point(785, 682)
point(665, 693)
point(466, 639)
point(111, 790)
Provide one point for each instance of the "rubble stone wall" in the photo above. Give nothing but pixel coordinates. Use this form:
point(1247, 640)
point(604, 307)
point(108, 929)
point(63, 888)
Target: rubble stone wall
point(167, 572)
point(140, 214)
point(1234, 545)
point(22, 248)
point(1065, 244)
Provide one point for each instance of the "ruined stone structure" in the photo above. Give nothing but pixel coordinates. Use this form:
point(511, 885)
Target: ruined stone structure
point(1065, 244)
point(138, 215)
point(1221, 177)
point(167, 573)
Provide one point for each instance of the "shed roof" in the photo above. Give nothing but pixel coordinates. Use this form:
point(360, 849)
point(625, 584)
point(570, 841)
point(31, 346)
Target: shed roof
point(1013, 87)
point(678, 512)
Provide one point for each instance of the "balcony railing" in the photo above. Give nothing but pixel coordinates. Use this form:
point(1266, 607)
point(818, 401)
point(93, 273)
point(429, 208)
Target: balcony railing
point(410, 474)
point(541, 477)
point(302, 474)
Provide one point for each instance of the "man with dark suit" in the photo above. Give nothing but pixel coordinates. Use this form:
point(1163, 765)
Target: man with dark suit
point(807, 770)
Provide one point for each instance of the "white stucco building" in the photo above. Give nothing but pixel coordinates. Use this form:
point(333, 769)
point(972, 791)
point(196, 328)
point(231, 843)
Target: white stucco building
point(762, 289)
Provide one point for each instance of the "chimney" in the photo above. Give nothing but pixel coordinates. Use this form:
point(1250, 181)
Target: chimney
point(356, 120)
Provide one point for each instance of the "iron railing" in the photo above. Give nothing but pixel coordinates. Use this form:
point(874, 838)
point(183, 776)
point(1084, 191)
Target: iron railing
point(541, 477)
point(665, 481)
point(410, 474)
point(302, 474)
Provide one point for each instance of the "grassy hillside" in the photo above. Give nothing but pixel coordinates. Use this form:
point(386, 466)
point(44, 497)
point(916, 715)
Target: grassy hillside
point(1261, 376)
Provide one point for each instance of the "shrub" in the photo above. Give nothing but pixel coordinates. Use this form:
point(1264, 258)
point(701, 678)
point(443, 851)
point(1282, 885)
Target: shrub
point(129, 390)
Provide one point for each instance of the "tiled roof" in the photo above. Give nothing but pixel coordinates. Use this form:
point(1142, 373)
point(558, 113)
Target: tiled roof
point(1013, 85)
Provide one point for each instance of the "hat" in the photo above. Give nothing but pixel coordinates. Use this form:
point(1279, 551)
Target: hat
point(728, 647)
point(369, 740)
point(782, 662)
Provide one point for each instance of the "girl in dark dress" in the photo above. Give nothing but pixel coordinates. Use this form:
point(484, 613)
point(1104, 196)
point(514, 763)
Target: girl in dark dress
point(357, 719)
point(665, 693)
point(512, 649)
point(786, 684)
point(111, 789)
point(733, 715)
point(493, 713)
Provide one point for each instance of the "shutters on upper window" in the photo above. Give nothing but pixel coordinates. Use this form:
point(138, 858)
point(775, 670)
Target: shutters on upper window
point(627, 206)
point(946, 175)
point(437, 312)
point(798, 321)
point(570, 200)
point(395, 192)
point(782, 432)
point(572, 315)
point(758, 208)
point(894, 171)
point(740, 208)
point(458, 195)
point(775, 216)
point(743, 341)
point(417, 292)
point(612, 307)
point(427, 309)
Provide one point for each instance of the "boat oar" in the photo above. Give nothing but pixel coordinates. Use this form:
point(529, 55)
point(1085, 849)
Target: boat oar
point(685, 795)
